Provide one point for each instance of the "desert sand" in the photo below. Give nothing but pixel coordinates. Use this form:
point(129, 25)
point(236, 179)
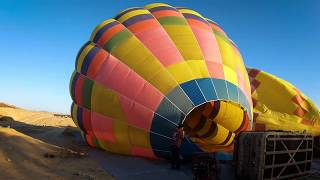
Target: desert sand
point(41, 145)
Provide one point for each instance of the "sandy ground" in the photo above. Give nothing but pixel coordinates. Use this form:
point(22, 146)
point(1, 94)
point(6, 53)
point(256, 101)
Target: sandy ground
point(41, 145)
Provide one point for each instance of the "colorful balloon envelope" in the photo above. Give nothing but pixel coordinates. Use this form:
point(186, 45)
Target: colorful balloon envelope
point(153, 68)
point(278, 105)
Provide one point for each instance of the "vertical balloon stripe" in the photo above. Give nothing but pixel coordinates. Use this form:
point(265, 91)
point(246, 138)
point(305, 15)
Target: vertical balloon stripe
point(83, 55)
point(165, 13)
point(101, 28)
point(80, 119)
point(126, 11)
point(130, 14)
point(239, 61)
point(243, 86)
point(171, 20)
point(190, 12)
point(241, 75)
point(121, 131)
point(161, 140)
point(103, 127)
point(177, 29)
point(221, 89)
point(182, 72)
point(109, 33)
point(73, 82)
point(78, 90)
point(157, 41)
point(233, 92)
point(178, 97)
point(139, 137)
point(96, 64)
point(136, 19)
point(112, 75)
point(205, 38)
point(106, 102)
point(204, 35)
point(207, 89)
point(181, 26)
point(216, 28)
point(169, 112)
point(87, 60)
point(138, 58)
point(198, 68)
point(230, 75)
point(74, 109)
point(91, 140)
point(79, 53)
point(192, 90)
point(116, 40)
point(229, 65)
point(226, 51)
point(86, 120)
point(162, 8)
point(161, 46)
point(87, 92)
point(216, 70)
point(141, 26)
point(71, 85)
point(136, 114)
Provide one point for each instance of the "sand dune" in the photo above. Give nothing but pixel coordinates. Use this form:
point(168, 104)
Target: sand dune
point(41, 145)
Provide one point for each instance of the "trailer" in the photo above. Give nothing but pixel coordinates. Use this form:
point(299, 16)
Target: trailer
point(273, 155)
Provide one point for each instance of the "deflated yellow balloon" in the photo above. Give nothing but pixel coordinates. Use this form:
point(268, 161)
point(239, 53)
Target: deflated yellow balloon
point(278, 105)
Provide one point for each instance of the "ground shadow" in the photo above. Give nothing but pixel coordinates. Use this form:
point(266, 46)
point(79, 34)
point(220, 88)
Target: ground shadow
point(64, 136)
point(58, 154)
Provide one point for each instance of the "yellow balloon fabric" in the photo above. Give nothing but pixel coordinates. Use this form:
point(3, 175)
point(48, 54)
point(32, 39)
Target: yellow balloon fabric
point(153, 68)
point(278, 105)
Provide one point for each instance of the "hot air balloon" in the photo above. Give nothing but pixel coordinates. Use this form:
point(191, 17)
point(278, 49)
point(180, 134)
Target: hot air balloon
point(278, 105)
point(152, 68)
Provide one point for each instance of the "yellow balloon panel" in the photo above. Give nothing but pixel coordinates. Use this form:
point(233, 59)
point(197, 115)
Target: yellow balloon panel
point(278, 105)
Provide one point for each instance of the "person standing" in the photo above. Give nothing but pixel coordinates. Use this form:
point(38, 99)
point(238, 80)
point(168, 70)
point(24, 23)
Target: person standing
point(178, 136)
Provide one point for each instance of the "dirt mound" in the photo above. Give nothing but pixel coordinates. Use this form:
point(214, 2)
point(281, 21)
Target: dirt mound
point(7, 105)
point(40, 145)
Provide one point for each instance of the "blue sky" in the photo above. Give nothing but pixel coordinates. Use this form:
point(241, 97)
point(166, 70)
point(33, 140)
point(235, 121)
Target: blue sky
point(40, 40)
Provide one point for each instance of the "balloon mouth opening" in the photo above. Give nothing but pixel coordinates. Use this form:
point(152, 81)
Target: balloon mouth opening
point(199, 123)
point(214, 125)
